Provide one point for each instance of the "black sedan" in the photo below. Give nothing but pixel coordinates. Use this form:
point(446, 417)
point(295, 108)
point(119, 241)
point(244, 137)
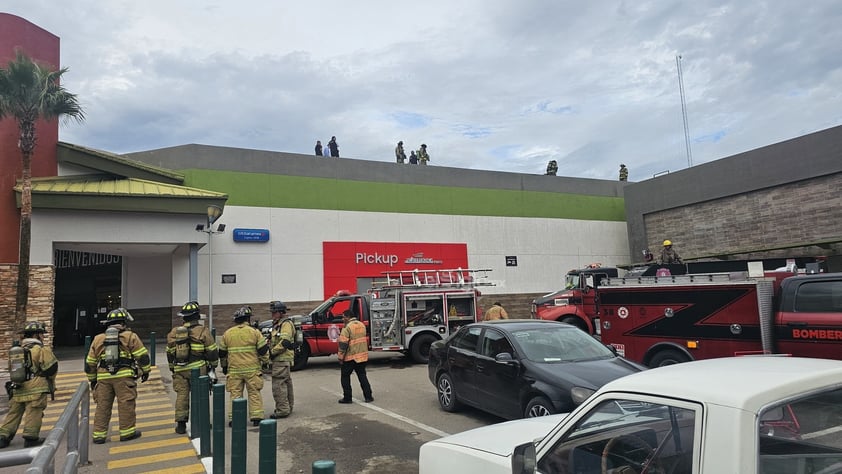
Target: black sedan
point(522, 368)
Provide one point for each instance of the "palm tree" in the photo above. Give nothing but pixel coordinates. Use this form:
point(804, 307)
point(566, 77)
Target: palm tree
point(30, 92)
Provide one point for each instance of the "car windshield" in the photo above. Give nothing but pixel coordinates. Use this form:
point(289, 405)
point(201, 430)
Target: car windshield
point(559, 344)
point(571, 281)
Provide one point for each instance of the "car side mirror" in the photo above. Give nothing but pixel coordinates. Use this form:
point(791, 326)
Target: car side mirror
point(524, 459)
point(506, 358)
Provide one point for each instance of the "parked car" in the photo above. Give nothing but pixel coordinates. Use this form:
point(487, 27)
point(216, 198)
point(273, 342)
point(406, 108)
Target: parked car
point(522, 368)
point(753, 414)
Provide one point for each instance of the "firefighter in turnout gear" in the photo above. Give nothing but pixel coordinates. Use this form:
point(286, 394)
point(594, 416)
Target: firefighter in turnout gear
point(116, 359)
point(243, 352)
point(496, 311)
point(33, 368)
point(353, 357)
point(189, 346)
point(282, 353)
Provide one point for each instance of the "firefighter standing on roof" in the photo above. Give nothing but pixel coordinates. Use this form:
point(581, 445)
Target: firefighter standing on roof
point(669, 255)
point(282, 344)
point(242, 353)
point(189, 346)
point(28, 398)
point(113, 364)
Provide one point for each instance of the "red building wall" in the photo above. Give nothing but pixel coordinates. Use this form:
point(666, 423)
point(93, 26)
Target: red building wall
point(344, 262)
point(43, 46)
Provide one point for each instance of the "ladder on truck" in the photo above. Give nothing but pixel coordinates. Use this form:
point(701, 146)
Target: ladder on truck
point(439, 278)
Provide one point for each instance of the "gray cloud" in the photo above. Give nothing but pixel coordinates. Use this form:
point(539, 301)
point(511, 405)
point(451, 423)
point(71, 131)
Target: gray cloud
point(486, 85)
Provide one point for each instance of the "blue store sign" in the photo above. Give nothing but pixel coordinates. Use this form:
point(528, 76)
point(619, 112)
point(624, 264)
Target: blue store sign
point(251, 235)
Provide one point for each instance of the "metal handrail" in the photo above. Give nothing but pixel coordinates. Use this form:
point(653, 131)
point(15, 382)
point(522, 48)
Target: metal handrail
point(74, 422)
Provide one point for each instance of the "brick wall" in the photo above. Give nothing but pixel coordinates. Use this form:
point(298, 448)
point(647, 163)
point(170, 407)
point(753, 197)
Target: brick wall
point(789, 215)
point(40, 307)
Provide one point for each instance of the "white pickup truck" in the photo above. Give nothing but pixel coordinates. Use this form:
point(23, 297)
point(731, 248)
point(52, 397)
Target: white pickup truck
point(753, 414)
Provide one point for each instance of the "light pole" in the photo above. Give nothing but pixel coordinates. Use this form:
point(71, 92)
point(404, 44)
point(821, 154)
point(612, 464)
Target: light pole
point(214, 213)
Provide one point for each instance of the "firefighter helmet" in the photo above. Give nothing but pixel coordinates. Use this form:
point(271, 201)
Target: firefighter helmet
point(34, 327)
point(244, 312)
point(667, 243)
point(277, 307)
point(119, 315)
point(189, 311)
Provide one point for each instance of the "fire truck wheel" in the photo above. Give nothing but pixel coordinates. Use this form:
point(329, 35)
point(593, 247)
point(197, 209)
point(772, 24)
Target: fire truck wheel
point(446, 394)
point(538, 406)
point(302, 357)
point(420, 349)
point(667, 357)
point(574, 321)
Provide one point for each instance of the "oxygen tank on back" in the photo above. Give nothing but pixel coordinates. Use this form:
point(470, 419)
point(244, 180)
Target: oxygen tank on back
point(182, 345)
point(112, 349)
point(17, 364)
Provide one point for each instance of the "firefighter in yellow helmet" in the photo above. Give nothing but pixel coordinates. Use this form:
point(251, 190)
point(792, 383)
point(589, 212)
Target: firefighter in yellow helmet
point(243, 352)
point(189, 346)
point(669, 255)
point(116, 359)
point(34, 368)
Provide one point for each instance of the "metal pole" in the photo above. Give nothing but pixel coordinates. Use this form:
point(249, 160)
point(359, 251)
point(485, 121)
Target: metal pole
point(218, 428)
point(203, 421)
point(194, 403)
point(268, 452)
point(324, 466)
point(87, 349)
point(238, 436)
point(152, 348)
point(210, 274)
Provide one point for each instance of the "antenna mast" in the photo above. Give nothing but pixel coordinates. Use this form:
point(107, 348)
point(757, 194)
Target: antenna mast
point(684, 111)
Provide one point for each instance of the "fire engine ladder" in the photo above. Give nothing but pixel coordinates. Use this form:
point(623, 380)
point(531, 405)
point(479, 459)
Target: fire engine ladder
point(442, 278)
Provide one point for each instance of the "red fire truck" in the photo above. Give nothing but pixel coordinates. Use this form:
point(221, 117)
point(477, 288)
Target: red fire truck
point(671, 319)
point(573, 305)
point(405, 313)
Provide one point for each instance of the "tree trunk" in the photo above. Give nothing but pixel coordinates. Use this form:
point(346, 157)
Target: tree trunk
point(22, 296)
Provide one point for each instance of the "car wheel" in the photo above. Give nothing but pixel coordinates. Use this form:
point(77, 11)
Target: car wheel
point(667, 357)
point(302, 357)
point(538, 406)
point(420, 349)
point(574, 321)
point(446, 394)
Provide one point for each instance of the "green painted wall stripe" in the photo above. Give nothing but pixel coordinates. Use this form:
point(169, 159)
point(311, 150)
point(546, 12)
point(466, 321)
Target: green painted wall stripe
point(282, 191)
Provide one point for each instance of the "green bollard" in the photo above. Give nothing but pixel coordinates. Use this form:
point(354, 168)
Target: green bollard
point(203, 419)
point(238, 435)
point(152, 348)
point(87, 349)
point(268, 448)
point(324, 466)
point(219, 423)
point(194, 403)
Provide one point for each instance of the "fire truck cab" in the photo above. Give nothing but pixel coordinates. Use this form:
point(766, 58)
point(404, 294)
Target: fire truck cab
point(405, 313)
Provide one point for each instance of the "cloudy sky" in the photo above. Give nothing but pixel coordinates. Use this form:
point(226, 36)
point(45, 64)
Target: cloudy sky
point(495, 85)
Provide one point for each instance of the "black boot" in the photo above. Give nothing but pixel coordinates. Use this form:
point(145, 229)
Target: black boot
point(32, 442)
point(130, 437)
point(4, 442)
point(181, 427)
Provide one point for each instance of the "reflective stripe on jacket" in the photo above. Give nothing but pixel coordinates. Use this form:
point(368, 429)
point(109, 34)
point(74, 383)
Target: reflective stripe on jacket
point(353, 344)
point(44, 366)
point(203, 349)
point(285, 331)
point(132, 352)
point(243, 349)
